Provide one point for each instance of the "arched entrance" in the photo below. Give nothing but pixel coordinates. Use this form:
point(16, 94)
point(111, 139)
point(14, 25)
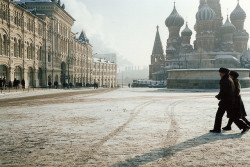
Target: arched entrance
point(18, 73)
point(40, 77)
point(49, 79)
point(56, 78)
point(63, 73)
point(31, 77)
point(3, 72)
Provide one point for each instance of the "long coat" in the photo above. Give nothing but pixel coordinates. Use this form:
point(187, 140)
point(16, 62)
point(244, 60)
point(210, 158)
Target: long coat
point(227, 89)
point(239, 108)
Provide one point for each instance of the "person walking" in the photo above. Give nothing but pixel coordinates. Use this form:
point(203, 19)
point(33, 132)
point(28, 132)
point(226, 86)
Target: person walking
point(23, 84)
point(1, 85)
point(15, 83)
point(4, 83)
point(227, 99)
point(239, 105)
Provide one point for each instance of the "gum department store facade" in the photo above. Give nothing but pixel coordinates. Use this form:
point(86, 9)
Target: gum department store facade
point(37, 45)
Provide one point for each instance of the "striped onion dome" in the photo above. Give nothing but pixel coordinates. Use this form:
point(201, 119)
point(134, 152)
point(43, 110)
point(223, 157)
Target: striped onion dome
point(174, 19)
point(186, 31)
point(238, 13)
point(205, 13)
point(228, 27)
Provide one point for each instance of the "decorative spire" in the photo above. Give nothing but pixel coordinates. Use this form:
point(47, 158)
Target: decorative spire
point(157, 50)
point(83, 38)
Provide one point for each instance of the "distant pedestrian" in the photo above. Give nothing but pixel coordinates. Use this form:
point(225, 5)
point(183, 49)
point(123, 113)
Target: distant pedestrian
point(1, 84)
point(15, 83)
point(23, 84)
point(10, 84)
point(49, 84)
point(4, 83)
point(56, 84)
point(129, 85)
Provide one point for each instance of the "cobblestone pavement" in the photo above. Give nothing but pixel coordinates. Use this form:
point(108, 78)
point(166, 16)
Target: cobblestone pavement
point(116, 128)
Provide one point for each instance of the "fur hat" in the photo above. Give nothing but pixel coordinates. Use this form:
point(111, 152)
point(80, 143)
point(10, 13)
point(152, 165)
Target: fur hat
point(224, 70)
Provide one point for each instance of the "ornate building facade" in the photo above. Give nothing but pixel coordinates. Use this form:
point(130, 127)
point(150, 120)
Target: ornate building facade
point(37, 45)
point(216, 44)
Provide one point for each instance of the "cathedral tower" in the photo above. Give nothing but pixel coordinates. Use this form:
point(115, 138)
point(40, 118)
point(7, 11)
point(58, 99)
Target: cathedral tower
point(174, 22)
point(205, 37)
point(186, 34)
point(227, 31)
point(238, 17)
point(157, 58)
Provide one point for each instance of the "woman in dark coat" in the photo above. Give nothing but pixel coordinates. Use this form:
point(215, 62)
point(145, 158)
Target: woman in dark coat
point(240, 112)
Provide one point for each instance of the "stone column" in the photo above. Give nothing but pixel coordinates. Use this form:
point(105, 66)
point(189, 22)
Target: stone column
point(25, 77)
point(36, 81)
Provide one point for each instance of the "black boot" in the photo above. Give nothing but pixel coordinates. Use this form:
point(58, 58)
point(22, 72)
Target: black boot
point(215, 131)
point(227, 128)
point(245, 130)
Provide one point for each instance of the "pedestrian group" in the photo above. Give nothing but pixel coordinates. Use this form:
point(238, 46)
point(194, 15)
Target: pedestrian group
point(230, 102)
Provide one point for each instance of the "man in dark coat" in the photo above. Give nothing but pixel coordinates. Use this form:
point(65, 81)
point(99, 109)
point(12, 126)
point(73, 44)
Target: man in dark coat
point(1, 84)
point(4, 83)
point(227, 99)
point(239, 108)
point(15, 83)
point(23, 83)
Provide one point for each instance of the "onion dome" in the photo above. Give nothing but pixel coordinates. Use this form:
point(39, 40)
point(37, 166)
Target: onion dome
point(228, 27)
point(174, 19)
point(205, 13)
point(186, 31)
point(238, 13)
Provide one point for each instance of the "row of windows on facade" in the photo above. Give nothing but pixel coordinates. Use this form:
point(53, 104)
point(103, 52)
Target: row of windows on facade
point(18, 49)
point(18, 19)
point(29, 23)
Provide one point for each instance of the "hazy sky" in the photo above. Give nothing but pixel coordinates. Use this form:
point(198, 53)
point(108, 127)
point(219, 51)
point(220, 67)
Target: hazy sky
point(128, 27)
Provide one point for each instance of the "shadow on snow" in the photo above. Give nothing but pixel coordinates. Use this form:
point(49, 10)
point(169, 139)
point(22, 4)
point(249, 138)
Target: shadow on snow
point(158, 153)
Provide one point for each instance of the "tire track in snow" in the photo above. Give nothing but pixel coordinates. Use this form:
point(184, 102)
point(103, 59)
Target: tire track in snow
point(94, 149)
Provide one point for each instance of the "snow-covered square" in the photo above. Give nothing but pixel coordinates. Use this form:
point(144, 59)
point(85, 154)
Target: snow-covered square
point(116, 128)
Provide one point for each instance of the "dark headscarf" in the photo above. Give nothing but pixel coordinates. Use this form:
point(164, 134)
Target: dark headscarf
point(234, 74)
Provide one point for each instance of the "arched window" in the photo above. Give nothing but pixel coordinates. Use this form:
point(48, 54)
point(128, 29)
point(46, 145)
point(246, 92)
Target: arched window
point(15, 47)
point(18, 73)
point(40, 54)
point(19, 49)
point(31, 51)
point(5, 45)
point(1, 44)
point(49, 56)
point(28, 51)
